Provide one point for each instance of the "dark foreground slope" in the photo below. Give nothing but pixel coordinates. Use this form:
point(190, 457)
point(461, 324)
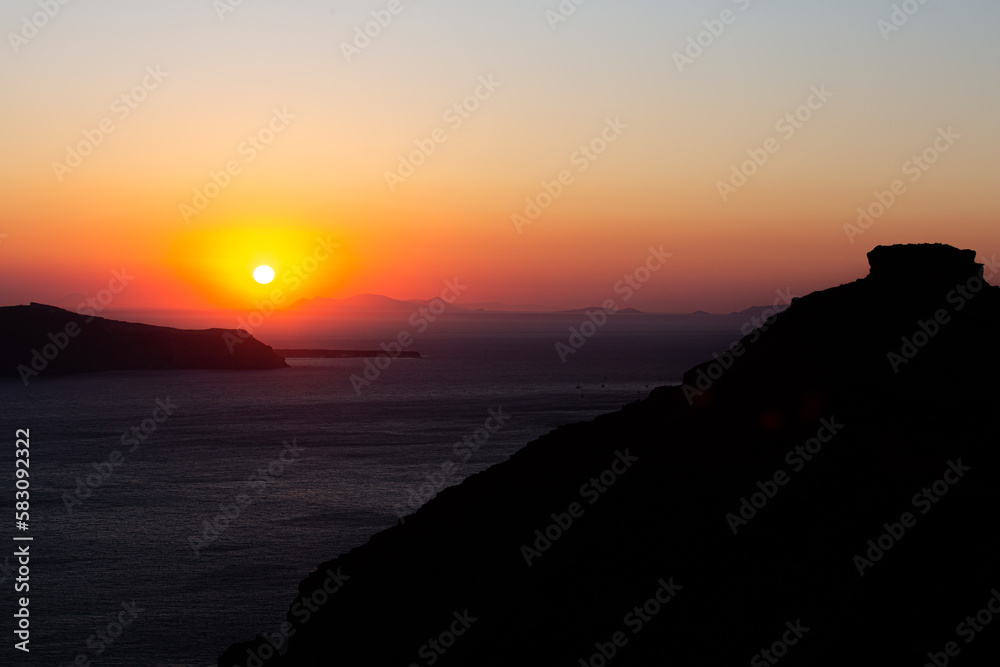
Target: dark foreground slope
point(868, 533)
point(38, 340)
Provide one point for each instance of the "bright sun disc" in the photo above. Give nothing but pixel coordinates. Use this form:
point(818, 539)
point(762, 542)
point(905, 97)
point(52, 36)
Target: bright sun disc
point(263, 274)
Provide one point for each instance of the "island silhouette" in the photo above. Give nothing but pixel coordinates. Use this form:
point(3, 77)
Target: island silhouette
point(39, 340)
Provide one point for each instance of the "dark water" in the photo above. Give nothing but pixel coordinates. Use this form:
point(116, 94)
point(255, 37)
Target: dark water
point(360, 456)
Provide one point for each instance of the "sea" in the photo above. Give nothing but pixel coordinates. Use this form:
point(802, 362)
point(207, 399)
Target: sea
point(173, 513)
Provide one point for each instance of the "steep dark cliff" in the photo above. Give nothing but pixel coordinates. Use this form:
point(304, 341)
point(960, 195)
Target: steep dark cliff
point(826, 493)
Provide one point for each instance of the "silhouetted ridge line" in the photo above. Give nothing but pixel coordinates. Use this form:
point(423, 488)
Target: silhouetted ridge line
point(790, 496)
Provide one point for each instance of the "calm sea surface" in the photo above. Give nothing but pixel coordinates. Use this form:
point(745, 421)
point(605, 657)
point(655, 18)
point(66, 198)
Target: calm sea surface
point(360, 456)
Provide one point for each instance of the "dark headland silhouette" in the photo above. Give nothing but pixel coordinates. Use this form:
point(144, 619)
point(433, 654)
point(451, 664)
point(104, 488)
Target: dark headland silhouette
point(38, 340)
point(826, 493)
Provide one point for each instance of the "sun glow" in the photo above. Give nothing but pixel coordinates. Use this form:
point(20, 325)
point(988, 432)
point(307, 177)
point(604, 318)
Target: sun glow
point(263, 274)
point(295, 262)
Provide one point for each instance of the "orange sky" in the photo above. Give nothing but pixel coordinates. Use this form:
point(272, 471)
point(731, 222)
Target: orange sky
point(263, 102)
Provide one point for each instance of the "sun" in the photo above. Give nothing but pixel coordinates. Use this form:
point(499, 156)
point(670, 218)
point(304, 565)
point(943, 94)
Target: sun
point(263, 274)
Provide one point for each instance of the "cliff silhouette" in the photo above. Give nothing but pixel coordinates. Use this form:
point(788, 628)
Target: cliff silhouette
point(825, 493)
point(38, 340)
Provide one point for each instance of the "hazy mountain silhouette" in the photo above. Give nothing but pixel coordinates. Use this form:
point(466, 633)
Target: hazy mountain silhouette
point(680, 471)
point(38, 340)
point(377, 303)
point(584, 311)
point(497, 307)
point(366, 303)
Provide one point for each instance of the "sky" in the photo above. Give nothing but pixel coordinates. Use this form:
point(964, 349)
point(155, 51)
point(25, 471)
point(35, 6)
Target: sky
point(537, 151)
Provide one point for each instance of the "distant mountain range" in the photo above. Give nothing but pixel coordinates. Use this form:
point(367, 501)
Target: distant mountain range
point(584, 311)
point(364, 303)
point(375, 303)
